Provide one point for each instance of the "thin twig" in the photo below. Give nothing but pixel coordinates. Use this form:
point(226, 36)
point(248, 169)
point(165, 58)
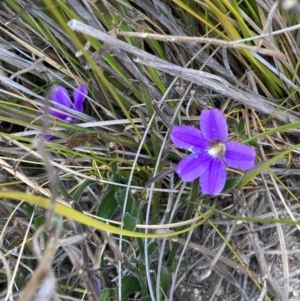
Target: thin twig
point(31, 67)
point(82, 274)
point(44, 267)
point(209, 41)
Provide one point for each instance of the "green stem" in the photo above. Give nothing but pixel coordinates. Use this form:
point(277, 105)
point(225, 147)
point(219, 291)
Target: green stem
point(264, 165)
point(274, 131)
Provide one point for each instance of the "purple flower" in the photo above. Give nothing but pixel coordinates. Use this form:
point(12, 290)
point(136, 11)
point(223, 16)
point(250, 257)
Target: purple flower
point(61, 96)
point(210, 152)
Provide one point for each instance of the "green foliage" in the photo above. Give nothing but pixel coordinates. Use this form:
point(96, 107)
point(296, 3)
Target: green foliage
point(107, 294)
point(108, 205)
point(39, 221)
point(131, 207)
point(164, 282)
point(230, 183)
point(80, 189)
point(129, 221)
point(130, 285)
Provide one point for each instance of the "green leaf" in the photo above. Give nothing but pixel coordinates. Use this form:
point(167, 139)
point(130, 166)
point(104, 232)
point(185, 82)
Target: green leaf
point(108, 293)
point(104, 295)
point(153, 246)
point(137, 268)
point(108, 205)
point(79, 191)
point(130, 285)
point(129, 221)
point(164, 282)
point(38, 221)
point(130, 204)
point(241, 128)
point(230, 183)
point(253, 143)
point(28, 208)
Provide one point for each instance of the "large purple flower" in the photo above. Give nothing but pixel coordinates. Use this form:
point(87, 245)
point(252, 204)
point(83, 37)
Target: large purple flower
point(210, 152)
point(61, 96)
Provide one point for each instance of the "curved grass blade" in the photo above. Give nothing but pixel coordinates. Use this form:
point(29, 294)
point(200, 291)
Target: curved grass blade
point(264, 165)
point(87, 220)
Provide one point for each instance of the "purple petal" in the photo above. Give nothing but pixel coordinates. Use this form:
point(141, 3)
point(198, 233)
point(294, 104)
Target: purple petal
point(79, 96)
point(238, 155)
point(188, 137)
point(213, 179)
point(213, 125)
point(192, 166)
point(60, 95)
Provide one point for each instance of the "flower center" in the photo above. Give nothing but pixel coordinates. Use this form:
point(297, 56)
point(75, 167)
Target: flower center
point(217, 150)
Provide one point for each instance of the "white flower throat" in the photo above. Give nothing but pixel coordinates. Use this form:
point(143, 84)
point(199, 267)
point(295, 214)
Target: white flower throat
point(217, 150)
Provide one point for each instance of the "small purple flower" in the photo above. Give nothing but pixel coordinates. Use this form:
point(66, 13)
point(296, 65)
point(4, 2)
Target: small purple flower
point(61, 96)
point(210, 152)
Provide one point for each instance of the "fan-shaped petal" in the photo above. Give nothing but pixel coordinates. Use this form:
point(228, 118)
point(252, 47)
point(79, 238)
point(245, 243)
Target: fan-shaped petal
point(192, 166)
point(238, 155)
point(188, 137)
point(213, 125)
point(79, 96)
point(60, 95)
point(213, 179)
